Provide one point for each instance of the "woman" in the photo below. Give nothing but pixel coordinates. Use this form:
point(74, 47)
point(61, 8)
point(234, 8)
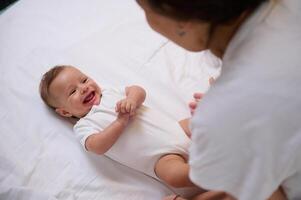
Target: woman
point(246, 132)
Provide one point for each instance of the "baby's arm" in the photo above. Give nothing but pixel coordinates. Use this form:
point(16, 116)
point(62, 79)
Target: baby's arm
point(101, 142)
point(135, 96)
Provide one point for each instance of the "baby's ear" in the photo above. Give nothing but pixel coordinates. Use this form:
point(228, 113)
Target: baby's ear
point(63, 112)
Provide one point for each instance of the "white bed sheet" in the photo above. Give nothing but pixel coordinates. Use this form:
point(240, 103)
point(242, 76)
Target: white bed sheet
point(109, 40)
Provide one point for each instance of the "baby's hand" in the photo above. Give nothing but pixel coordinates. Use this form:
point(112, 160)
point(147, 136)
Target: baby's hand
point(126, 106)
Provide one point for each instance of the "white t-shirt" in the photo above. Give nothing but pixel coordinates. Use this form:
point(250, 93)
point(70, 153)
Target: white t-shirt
point(246, 132)
point(148, 136)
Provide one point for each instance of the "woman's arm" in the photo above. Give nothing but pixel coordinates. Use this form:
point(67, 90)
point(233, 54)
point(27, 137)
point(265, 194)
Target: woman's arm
point(101, 142)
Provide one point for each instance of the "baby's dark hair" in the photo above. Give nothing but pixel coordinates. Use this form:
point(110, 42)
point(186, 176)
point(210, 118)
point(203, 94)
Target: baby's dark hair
point(46, 81)
point(214, 11)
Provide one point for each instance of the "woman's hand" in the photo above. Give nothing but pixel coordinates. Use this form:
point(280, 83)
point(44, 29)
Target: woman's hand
point(193, 104)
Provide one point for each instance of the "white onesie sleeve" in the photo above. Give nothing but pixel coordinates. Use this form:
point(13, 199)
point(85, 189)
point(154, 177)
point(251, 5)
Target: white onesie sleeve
point(83, 129)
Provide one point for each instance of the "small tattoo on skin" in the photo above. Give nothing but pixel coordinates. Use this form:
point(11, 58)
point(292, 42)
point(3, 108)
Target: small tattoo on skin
point(181, 33)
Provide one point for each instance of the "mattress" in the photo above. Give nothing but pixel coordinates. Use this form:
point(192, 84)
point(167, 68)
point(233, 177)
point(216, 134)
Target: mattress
point(110, 41)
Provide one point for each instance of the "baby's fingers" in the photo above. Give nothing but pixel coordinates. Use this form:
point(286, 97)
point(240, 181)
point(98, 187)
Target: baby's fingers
point(128, 107)
point(120, 106)
point(123, 107)
point(117, 107)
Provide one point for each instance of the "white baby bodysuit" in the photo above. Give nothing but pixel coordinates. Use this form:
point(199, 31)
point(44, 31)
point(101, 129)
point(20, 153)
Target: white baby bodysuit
point(148, 136)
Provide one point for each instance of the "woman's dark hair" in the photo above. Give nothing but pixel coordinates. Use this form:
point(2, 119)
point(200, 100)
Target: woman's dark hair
point(215, 11)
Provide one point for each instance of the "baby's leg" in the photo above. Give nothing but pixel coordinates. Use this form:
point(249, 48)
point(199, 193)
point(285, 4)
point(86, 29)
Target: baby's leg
point(185, 126)
point(173, 169)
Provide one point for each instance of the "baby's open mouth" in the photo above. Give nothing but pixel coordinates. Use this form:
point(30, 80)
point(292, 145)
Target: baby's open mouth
point(89, 97)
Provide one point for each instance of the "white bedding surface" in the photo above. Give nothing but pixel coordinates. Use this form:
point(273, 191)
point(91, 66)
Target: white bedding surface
point(109, 40)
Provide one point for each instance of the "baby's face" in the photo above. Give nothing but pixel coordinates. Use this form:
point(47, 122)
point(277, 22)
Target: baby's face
point(74, 93)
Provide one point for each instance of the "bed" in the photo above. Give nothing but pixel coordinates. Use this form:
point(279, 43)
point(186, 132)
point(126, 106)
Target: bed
point(109, 40)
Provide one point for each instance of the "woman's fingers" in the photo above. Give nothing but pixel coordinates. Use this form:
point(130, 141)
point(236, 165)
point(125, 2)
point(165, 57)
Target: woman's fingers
point(211, 80)
point(193, 104)
point(197, 96)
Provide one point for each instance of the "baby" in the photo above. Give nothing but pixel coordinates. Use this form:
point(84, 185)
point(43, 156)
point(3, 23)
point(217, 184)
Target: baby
point(113, 122)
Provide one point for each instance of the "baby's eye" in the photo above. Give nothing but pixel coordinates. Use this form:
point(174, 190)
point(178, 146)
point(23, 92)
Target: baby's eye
point(72, 92)
point(85, 80)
